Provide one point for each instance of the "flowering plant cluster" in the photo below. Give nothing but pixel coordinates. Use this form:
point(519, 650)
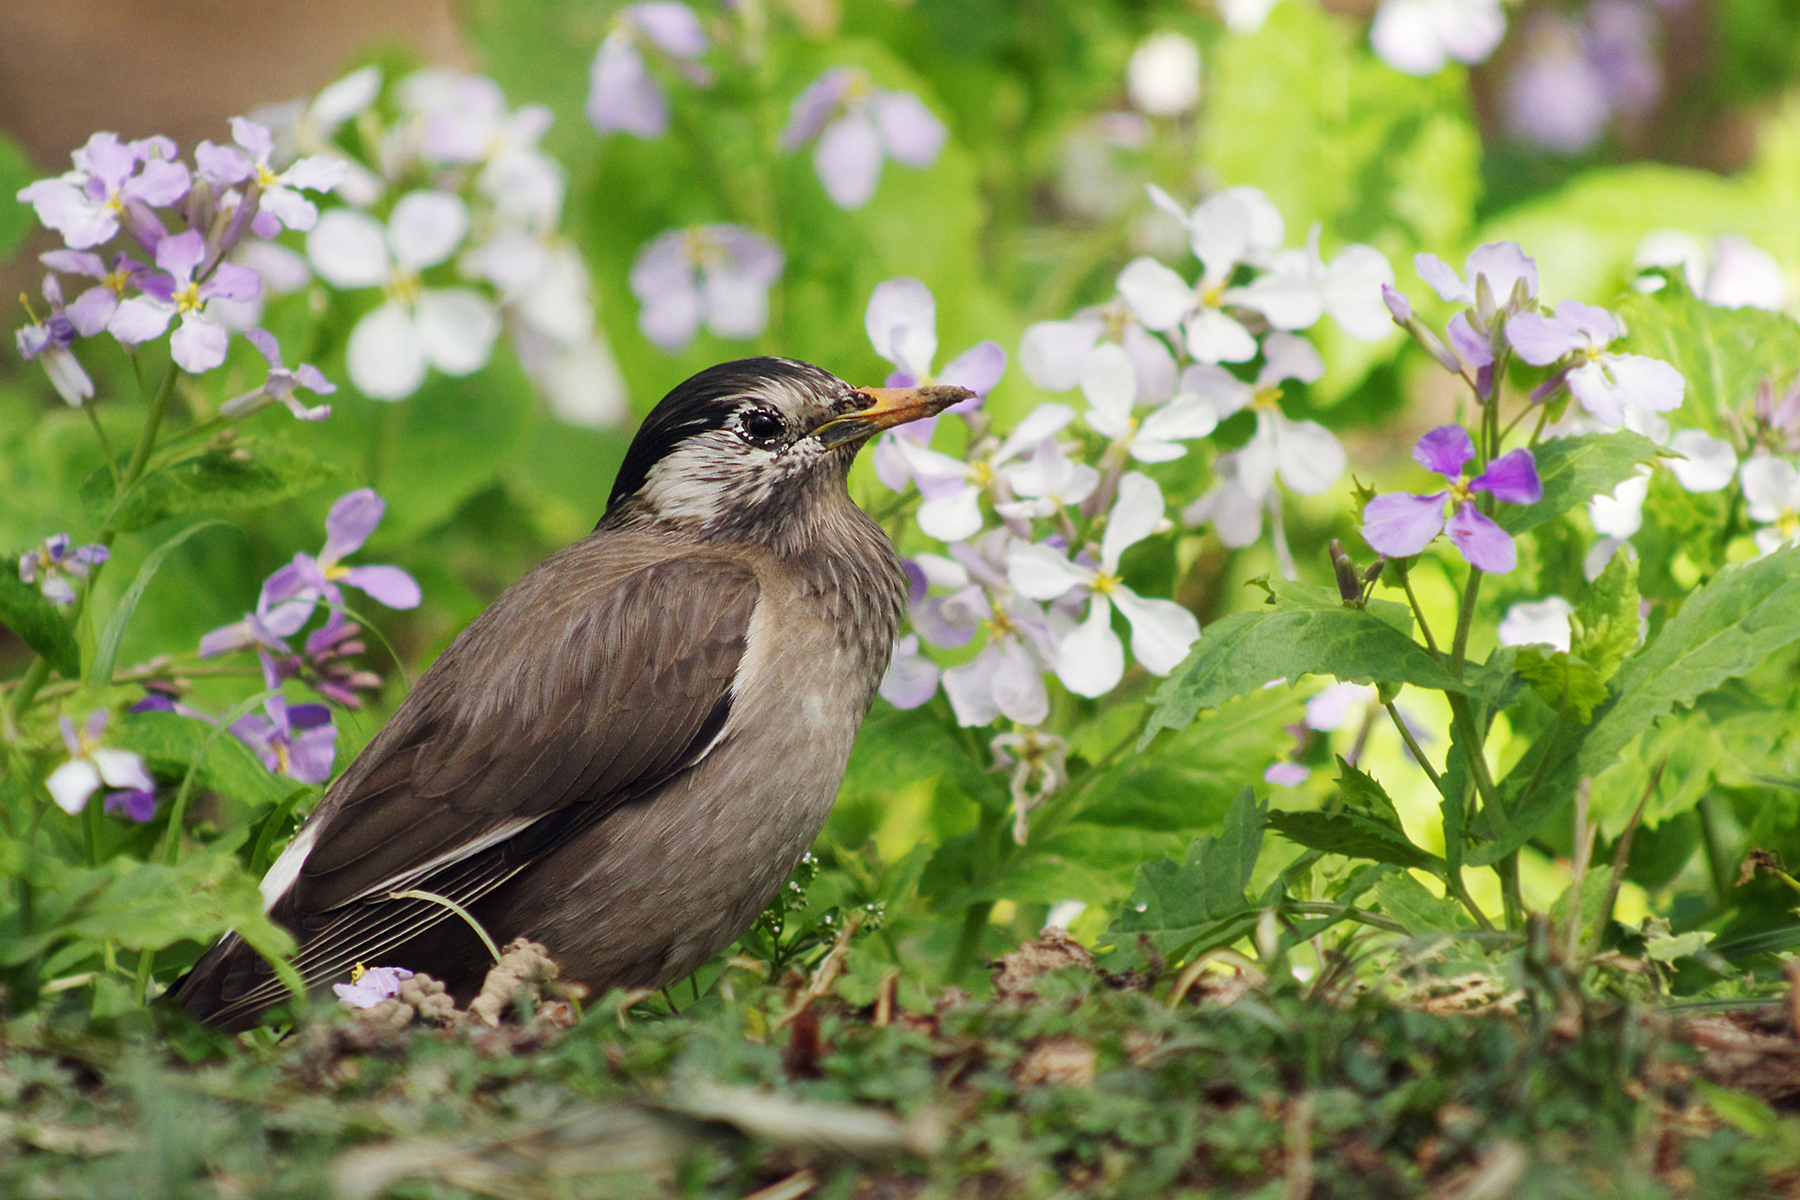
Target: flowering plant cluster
point(1474, 606)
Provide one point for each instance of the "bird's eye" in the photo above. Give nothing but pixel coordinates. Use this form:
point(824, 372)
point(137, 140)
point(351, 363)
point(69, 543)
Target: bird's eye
point(761, 426)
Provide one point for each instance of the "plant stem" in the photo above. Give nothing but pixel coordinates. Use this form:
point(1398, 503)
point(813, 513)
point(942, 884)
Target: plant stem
point(1465, 618)
point(1419, 616)
point(1413, 746)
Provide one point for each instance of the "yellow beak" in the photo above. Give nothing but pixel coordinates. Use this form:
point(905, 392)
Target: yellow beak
point(889, 407)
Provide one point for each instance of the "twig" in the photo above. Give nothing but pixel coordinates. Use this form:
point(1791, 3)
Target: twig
point(827, 973)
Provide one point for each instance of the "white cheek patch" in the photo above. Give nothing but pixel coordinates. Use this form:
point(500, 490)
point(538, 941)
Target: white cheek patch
point(716, 476)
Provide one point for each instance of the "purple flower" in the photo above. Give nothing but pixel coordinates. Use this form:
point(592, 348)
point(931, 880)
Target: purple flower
point(911, 678)
point(279, 203)
point(1570, 78)
point(55, 563)
point(137, 804)
point(94, 308)
point(297, 741)
point(717, 275)
point(1606, 384)
point(86, 204)
point(48, 342)
point(1402, 524)
point(859, 125)
point(199, 345)
point(281, 384)
point(1503, 264)
point(370, 987)
point(351, 520)
point(622, 94)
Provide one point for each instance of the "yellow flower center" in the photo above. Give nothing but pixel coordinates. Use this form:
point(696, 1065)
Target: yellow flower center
point(117, 281)
point(981, 473)
point(998, 625)
point(1106, 584)
point(1211, 296)
point(701, 248)
point(1789, 524)
point(281, 757)
point(188, 298)
point(114, 202)
point(1460, 491)
point(1268, 397)
point(265, 178)
point(403, 287)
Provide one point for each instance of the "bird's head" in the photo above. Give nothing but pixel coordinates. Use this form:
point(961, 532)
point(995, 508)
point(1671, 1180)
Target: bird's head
point(743, 449)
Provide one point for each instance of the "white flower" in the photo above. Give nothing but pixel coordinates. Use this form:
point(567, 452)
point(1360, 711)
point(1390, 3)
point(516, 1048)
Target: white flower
point(1238, 225)
point(1708, 465)
point(1049, 481)
point(1244, 17)
point(90, 765)
point(1163, 77)
point(1308, 457)
point(1301, 286)
point(1537, 622)
point(1054, 353)
point(1030, 754)
point(452, 329)
point(1109, 382)
point(1091, 659)
point(952, 487)
point(1740, 274)
point(716, 274)
point(1772, 495)
point(1616, 518)
point(1420, 36)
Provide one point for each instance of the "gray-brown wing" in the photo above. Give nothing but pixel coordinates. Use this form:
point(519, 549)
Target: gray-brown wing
point(596, 678)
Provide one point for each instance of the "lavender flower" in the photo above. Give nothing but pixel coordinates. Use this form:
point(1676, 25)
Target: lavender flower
point(135, 804)
point(351, 520)
point(1053, 354)
point(1401, 524)
point(279, 202)
point(911, 679)
point(49, 341)
point(1606, 384)
point(717, 275)
point(858, 126)
point(91, 764)
point(622, 94)
point(199, 345)
point(281, 384)
point(85, 205)
point(1772, 496)
point(297, 741)
point(370, 986)
point(93, 310)
point(55, 564)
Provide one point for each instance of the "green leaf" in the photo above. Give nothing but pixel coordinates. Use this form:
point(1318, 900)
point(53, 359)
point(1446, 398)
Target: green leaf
point(1363, 790)
point(1605, 628)
point(1748, 1113)
point(1308, 632)
point(1180, 904)
point(1574, 471)
point(1354, 836)
point(106, 653)
point(1721, 352)
point(250, 473)
point(1563, 681)
point(1407, 901)
point(1724, 630)
point(38, 622)
point(170, 742)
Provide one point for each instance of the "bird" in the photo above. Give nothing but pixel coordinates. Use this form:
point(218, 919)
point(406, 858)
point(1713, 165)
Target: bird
point(629, 751)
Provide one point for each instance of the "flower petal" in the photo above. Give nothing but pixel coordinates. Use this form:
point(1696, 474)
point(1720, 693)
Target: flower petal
point(910, 132)
point(1158, 296)
point(1042, 573)
point(457, 328)
point(978, 368)
point(123, 769)
point(1400, 524)
point(348, 249)
point(911, 678)
point(390, 585)
point(1109, 382)
point(952, 518)
point(72, 783)
point(426, 228)
point(1445, 450)
point(1092, 659)
point(1162, 631)
point(199, 345)
point(901, 321)
point(385, 356)
point(970, 688)
point(1213, 337)
point(1018, 685)
point(1709, 462)
point(1308, 455)
point(1541, 340)
point(1051, 353)
point(348, 525)
point(1482, 542)
point(1135, 515)
point(848, 160)
point(1512, 477)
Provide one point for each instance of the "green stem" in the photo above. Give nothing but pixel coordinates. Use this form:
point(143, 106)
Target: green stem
point(1465, 619)
point(1419, 616)
point(1413, 746)
point(112, 461)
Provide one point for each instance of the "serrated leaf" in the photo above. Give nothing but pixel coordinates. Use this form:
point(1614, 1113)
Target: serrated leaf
point(1354, 836)
point(1606, 623)
point(1363, 790)
point(251, 473)
point(1563, 681)
point(1725, 629)
point(1574, 470)
point(1307, 632)
point(1177, 903)
point(1407, 901)
point(39, 623)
